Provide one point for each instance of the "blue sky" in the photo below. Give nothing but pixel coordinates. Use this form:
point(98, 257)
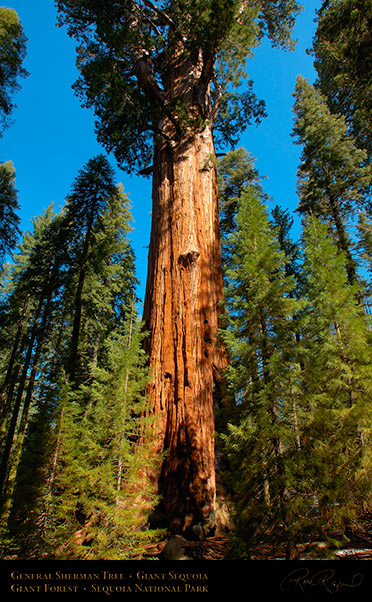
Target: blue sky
point(52, 137)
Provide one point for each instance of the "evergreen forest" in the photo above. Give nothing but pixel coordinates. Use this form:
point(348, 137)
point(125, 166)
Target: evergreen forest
point(120, 431)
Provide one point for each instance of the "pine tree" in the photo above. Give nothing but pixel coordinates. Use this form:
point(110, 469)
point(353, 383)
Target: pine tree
point(336, 356)
point(342, 51)
point(283, 222)
point(32, 301)
point(9, 207)
point(236, 171)
point(298, 440)
point(332, 179)
point(12, 54)
point(262, 377)
point(89, 198)
point(111, 278)
point(95, 511)
point(68, 416)
point(364, 245)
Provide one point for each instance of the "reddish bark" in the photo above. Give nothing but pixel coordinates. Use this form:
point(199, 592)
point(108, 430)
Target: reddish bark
point(182, 307)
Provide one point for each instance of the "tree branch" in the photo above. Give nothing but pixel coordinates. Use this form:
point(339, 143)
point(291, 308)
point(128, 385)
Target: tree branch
point(216, 105)
point(160, 13)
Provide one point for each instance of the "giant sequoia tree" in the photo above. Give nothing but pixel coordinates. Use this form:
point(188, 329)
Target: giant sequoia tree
point(163, 77)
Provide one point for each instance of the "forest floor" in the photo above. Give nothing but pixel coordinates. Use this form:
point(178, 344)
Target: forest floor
point(358, 547)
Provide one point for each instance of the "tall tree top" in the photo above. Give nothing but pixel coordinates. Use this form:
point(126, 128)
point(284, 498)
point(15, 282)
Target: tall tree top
point(184, 60)
point(332, 166)
point(342, 49)
point(91, 191)
point(236, 173)
point(12, 54)
point(9, 207)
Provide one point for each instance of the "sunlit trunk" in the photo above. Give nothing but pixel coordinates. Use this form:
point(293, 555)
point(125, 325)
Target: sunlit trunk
point(182, 307)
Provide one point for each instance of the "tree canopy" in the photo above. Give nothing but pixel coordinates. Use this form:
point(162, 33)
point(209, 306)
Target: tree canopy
point(342, 50)
point(9, 207)
point(12, 54)
point(128, 52)
point(333, 181)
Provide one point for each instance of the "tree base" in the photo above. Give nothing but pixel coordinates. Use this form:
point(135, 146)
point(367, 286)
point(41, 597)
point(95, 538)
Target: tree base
point(195, 527)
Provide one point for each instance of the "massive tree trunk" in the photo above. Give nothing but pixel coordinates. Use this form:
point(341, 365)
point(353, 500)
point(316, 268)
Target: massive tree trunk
point(182, 307)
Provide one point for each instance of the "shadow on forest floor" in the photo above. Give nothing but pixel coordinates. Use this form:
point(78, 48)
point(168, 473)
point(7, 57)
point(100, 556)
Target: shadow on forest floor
point(358, 547)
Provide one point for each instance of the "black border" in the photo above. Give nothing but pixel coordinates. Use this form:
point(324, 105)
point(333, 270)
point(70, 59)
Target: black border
point(249, 580)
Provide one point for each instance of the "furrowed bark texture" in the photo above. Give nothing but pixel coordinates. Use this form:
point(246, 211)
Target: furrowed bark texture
point(182, 307)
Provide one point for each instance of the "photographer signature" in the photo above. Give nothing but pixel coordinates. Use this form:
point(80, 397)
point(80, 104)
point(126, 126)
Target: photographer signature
point(303, 579)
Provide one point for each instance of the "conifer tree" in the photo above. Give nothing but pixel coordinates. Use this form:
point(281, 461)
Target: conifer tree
point(111, 277)
point(336, 356)
point(298, 442)
point(12, 54)
point(283, 222)
point(342, 50)
point(32, 301)
point(89, 198)
point(9, 208)
point(332, 179)
point(262, 376)
point(364, 246)
point(93, 271)
point(95, 511)
point(236, 171)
